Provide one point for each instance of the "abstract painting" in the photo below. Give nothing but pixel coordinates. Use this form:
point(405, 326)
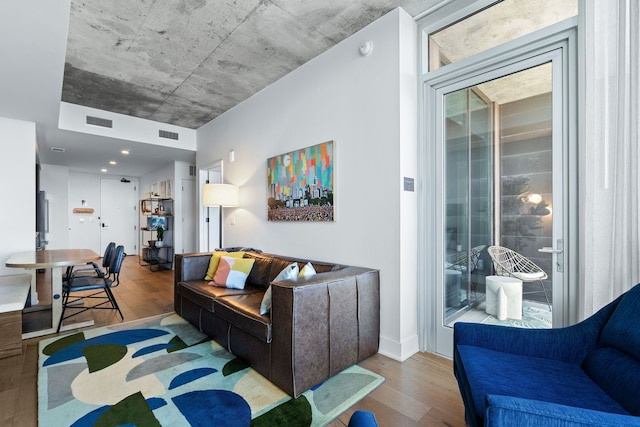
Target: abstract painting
point(301, 184)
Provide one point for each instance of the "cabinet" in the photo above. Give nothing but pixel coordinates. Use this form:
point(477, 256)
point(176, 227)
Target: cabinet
point(156, 240)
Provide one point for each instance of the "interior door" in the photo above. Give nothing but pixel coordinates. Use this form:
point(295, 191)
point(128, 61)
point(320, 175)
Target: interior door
point(118, 214)
point(501, 141)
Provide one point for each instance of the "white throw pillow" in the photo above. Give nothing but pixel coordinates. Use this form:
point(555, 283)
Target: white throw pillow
point(290, 272)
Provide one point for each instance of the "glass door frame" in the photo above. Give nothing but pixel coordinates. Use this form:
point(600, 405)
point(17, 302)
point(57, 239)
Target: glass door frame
point(555, 43)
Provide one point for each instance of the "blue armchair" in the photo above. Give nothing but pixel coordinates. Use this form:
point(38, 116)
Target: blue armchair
point(587, 374)
point(362, 418)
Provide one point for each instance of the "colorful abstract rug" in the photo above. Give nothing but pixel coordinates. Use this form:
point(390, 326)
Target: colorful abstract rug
point(161, 371)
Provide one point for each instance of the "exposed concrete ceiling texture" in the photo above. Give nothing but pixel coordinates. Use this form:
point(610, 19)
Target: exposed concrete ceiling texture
point(186, 62)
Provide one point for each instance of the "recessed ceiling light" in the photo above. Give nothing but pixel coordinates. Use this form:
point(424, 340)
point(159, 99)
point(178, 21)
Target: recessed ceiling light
point(125, 152)
point(112, 162)
point(103, 170)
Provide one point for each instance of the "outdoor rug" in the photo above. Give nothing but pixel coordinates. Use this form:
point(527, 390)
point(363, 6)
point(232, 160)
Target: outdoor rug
point(161, 371)
point(533, 316)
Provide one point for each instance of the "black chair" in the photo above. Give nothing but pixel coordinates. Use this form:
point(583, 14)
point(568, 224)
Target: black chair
point(80, 281)
point(91, 268)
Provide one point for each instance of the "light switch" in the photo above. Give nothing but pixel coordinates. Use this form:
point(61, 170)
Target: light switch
point(408, 184)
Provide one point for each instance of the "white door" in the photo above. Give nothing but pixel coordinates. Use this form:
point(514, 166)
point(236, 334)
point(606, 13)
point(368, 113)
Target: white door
point(118, 214)
point(188, 216)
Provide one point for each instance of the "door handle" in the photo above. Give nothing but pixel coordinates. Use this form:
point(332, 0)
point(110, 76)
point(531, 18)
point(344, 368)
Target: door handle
point(550, 250)
point(104, 226)
point(559, 258)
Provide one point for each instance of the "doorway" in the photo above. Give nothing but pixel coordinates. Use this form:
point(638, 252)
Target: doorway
point(499, 166)
point(209, 216)
point(118, 215)
point(498, 139)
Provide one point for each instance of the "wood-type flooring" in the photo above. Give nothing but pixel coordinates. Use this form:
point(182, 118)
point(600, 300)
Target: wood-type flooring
point(421, 391)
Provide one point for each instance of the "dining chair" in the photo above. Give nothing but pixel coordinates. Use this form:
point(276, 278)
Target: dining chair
point(80, 282)
point(92, 268)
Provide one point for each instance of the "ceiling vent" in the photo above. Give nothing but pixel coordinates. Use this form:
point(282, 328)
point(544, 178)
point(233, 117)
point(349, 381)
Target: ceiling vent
point(99, 121)
point(168, 135)
point(57, 149)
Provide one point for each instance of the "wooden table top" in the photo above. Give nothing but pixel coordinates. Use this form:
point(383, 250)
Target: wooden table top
point(51, 258)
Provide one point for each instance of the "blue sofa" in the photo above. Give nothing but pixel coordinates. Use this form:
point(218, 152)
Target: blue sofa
point(587, 374)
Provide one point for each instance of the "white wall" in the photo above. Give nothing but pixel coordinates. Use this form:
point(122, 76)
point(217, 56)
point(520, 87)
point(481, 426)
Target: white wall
point(368, 106)
point(18, 189)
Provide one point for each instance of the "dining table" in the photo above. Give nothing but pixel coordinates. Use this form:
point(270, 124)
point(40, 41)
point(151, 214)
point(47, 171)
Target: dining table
point(57, 260)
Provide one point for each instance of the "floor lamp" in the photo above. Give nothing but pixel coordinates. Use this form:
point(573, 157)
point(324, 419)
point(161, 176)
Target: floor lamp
point(222, 196)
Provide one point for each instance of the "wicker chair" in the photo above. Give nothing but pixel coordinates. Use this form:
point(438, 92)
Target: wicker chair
point(510, 263)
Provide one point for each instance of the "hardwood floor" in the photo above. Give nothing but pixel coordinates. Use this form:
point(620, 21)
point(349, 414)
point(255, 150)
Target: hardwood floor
point(421, 391)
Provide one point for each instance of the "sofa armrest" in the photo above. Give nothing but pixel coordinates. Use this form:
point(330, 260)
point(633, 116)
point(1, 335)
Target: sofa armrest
point(322, 325)
point(191, 266)
point(506, 411)
point(570, 344)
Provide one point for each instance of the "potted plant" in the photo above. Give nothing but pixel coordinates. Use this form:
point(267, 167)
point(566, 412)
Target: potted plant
point(160, 234)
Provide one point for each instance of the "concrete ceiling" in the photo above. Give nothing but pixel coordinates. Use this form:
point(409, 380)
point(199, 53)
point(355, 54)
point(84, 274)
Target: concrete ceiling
point(179, 62)
point(186, 62)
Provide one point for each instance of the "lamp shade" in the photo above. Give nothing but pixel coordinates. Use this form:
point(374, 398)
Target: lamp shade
point(226, 195)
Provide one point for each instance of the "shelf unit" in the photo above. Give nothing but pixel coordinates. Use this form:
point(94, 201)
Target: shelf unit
point(153, 213)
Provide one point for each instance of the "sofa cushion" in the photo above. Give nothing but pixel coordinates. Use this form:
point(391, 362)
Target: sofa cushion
point(618, 374)
point(243, 311)
point(490, 372)
point(259, 275)
point(203, 294)
point(621, 330)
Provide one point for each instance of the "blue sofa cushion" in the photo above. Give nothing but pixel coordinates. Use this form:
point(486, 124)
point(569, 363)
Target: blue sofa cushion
point(621, 330)
point(490, 372)
point(618, 374)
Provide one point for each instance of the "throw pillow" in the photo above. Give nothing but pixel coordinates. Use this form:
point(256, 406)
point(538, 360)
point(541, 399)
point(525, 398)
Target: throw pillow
point(265, 306)
point(290, 272)
point(307, 271)
point(232, 272)
point(215, 260)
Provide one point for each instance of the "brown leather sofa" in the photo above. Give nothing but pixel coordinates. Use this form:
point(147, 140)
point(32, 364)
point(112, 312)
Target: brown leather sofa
point(317, 326)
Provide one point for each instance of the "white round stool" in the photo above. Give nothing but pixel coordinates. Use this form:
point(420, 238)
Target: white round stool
point(504, 297)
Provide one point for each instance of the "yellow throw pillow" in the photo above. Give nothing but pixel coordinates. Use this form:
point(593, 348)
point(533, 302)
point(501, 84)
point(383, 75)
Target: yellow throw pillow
point(215, 261)
point(307, 271)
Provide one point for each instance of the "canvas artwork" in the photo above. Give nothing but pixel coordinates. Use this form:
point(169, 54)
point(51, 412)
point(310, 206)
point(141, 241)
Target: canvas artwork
point(301, 184)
